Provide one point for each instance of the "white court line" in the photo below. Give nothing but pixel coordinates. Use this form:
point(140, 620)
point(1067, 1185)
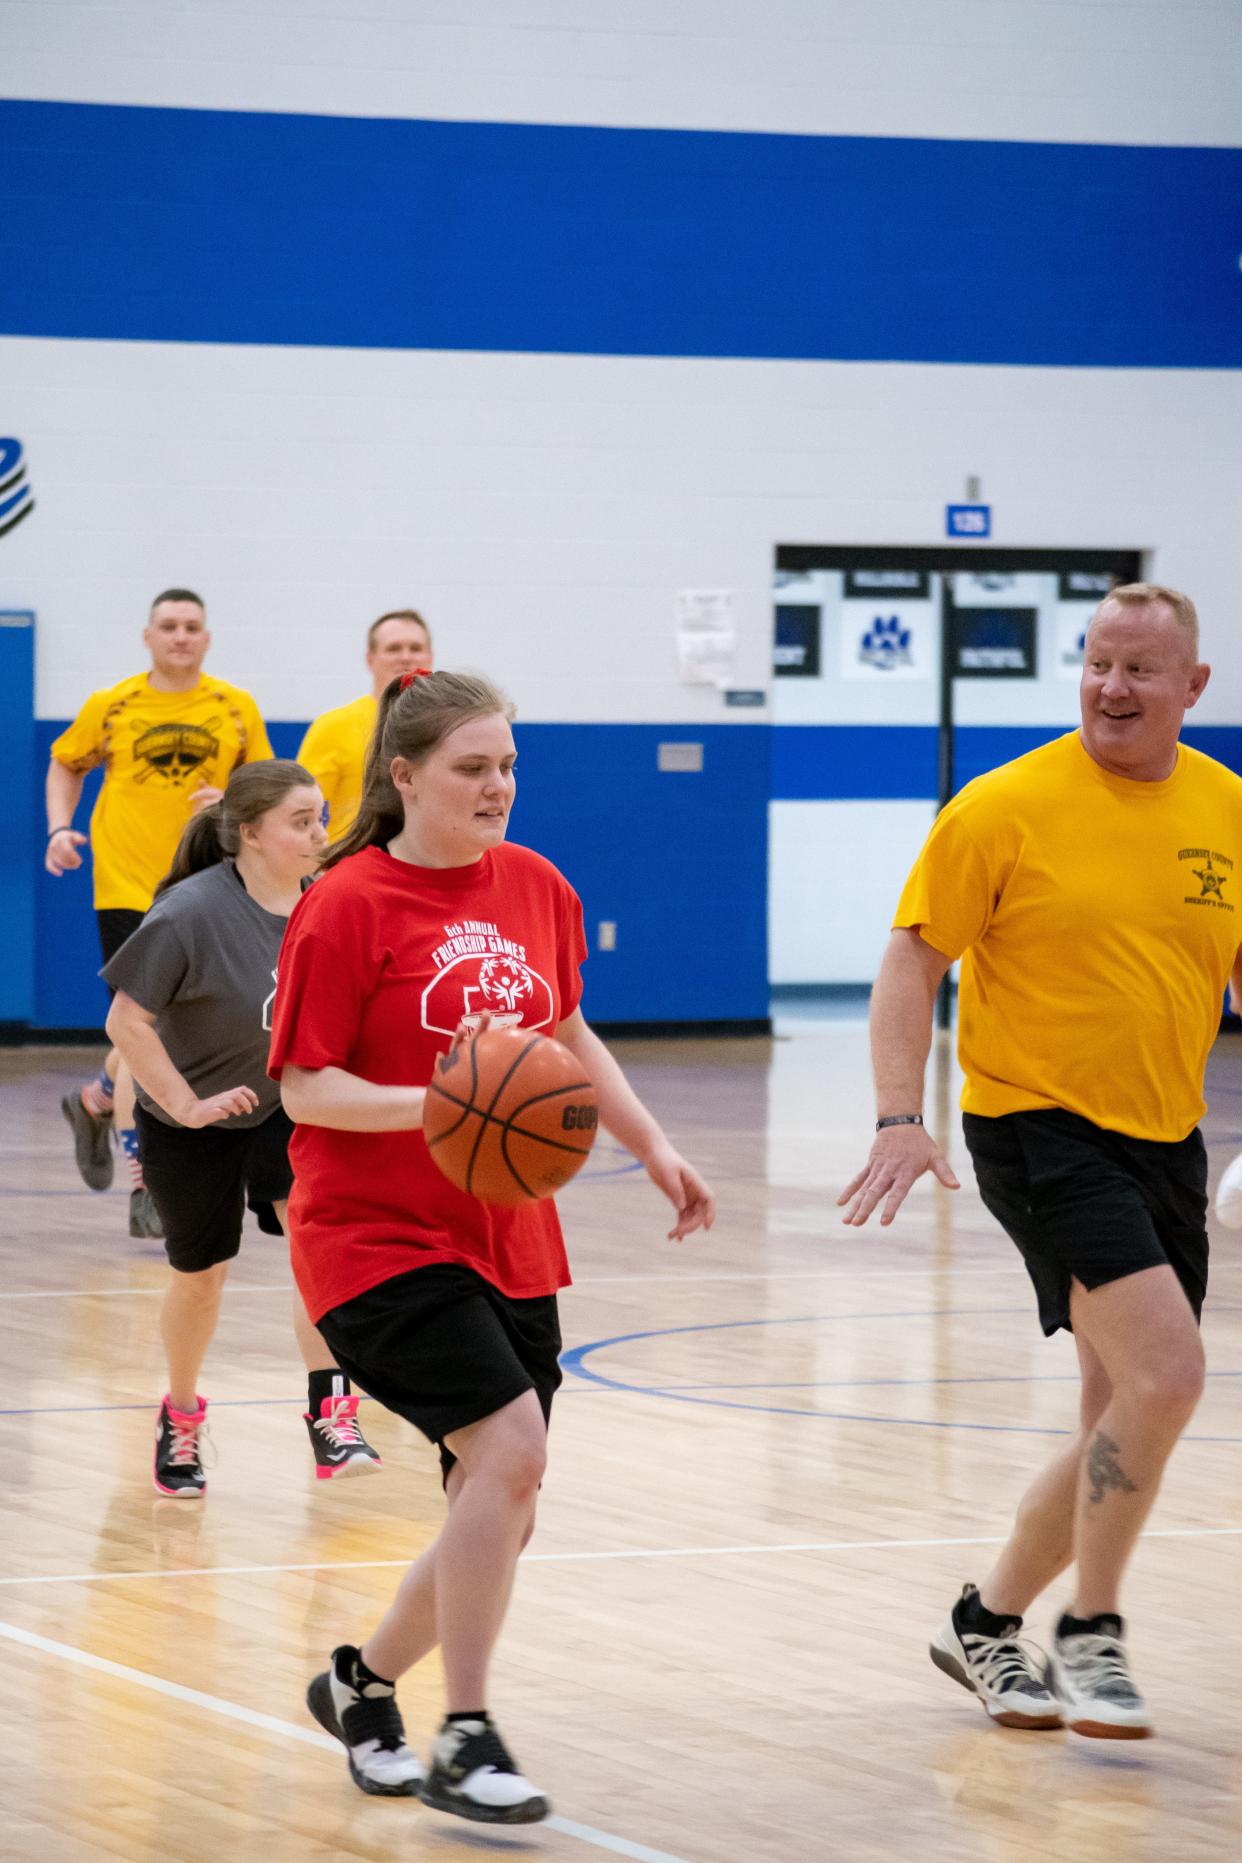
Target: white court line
point(577, 1558)
point(791, 1274)
point(597, 1280)
point(139, 1293)
point(287, 1730)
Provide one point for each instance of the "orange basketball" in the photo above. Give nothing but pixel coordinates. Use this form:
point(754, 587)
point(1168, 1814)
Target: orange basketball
point(510, 1116)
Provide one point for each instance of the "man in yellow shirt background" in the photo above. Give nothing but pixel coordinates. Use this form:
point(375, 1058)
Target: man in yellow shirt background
point(1091, 890)
point(334, 749)
point(168, 740)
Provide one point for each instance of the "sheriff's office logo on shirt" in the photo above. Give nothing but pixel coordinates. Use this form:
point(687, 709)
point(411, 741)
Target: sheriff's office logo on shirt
point(1213, 872)
point(478, 969)
point(172, 752)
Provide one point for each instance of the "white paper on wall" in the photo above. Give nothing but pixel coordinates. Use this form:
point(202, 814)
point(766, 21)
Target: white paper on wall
point(886, 640)
point(706, 637)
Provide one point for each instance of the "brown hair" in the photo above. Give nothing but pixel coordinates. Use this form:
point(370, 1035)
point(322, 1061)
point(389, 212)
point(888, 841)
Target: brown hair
point(410, 724)
point(1143, 594)
point(396, 614)
point(214, 834)
point(178, 595)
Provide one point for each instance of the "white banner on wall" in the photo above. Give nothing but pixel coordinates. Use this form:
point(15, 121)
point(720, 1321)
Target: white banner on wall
point(1001, 588)
point(1071, 632)
point(886, 640)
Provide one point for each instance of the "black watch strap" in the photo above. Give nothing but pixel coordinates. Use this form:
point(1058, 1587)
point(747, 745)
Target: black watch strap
point(899, 1119)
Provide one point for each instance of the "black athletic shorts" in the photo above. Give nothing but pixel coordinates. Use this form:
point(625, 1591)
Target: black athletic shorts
point(1085, 1204)
point(115, 925)
point(203, 1178)
point(443, 1348)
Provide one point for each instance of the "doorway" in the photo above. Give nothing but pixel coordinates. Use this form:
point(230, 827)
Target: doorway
point(900, 674)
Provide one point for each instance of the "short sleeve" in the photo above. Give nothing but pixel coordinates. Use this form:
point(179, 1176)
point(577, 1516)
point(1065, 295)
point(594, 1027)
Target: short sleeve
point(571, 953)
point(952, 891)
point(258, 746)
point(152, 966)
point(80, 748)
point(318, 1005)
point(317, 753)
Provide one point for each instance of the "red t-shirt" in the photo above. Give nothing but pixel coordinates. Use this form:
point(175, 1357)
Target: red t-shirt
point(380, 963)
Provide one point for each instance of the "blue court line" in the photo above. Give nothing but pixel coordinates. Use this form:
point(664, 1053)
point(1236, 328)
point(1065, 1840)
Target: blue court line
point(573, 1362)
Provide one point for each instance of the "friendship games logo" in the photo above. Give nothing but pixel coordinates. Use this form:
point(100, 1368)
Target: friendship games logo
point(478, 969)
point(16, 497)
point(1213, 875)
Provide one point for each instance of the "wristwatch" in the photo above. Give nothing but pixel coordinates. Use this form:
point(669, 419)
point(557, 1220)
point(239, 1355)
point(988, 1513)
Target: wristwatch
point(899, 1119)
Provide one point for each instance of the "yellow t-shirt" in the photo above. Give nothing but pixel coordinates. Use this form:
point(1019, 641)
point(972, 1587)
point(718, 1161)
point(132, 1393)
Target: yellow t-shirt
point(334, 750)
point(157, 748)
point(1096, 929)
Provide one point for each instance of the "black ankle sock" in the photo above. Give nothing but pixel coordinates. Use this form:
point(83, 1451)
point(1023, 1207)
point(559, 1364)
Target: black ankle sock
point(467, 1714)
point(972, 1615)
point(321, 1384)
point(363, 1677)
point(1104, 1624)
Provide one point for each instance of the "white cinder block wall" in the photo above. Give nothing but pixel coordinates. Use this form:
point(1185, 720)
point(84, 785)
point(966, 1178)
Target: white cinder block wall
point(545, 508)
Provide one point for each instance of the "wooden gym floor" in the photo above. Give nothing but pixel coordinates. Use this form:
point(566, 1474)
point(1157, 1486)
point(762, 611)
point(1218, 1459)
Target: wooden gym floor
point(778, 1454)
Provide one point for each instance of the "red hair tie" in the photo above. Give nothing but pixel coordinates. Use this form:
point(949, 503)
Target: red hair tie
point(420, 672)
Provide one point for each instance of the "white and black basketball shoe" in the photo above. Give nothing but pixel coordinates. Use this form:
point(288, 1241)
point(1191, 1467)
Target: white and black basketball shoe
point(365, 1718)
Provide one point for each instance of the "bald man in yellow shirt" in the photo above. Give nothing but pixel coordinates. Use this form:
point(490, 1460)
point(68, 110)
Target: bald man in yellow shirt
point(168, 740)
point(334, 749)
point(1091, 892)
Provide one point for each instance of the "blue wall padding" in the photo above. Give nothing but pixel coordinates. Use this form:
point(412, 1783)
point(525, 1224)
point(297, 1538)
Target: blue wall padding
point(678, 862)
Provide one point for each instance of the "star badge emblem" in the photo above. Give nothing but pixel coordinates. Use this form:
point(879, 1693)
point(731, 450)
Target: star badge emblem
point(1210, 880)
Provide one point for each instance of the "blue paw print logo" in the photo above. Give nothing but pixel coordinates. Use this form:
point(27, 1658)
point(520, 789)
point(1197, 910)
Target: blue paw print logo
point(886, 644)
point(16, 497)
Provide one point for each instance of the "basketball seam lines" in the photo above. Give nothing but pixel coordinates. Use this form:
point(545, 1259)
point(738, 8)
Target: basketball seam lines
point(493, 1119)
point(534, 1100)
point(508, 1076)
point(465, 1104)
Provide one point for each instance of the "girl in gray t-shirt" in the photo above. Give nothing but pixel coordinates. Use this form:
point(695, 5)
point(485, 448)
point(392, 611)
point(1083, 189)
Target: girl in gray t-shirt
point(192, 1014)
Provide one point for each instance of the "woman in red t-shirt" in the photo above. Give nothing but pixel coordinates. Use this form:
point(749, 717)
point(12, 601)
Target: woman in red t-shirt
point(442, 1307)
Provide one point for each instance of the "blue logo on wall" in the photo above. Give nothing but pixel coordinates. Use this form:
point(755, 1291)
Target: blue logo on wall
point(886, 644)
point(968, 520)
point(16, 497)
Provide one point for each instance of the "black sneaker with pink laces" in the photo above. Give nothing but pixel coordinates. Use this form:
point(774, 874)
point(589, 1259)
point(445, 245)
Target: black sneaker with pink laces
point(340, 1447)
point(179, 1438)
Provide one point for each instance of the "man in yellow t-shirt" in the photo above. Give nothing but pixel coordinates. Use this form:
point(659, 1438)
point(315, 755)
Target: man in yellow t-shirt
point(1091, 890)
point(334, 749)
point(168, 740)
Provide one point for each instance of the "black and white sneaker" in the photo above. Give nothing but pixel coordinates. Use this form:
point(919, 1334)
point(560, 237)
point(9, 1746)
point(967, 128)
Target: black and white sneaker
point(339, 1445)
point(473, 1776)
point(1090, 1676)
point(367, 1721)
point(998, 1669)
point(92, 1142)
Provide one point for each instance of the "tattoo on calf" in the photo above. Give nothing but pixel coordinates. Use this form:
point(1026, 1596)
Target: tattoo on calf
point(1104, 1470)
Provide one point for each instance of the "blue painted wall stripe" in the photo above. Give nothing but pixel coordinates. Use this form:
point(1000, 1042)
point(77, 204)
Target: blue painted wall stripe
point(680, 862)
point(888, 763)
point(241, 227)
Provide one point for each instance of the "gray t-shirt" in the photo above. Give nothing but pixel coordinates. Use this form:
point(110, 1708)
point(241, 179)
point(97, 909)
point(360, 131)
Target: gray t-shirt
point(203, 963)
